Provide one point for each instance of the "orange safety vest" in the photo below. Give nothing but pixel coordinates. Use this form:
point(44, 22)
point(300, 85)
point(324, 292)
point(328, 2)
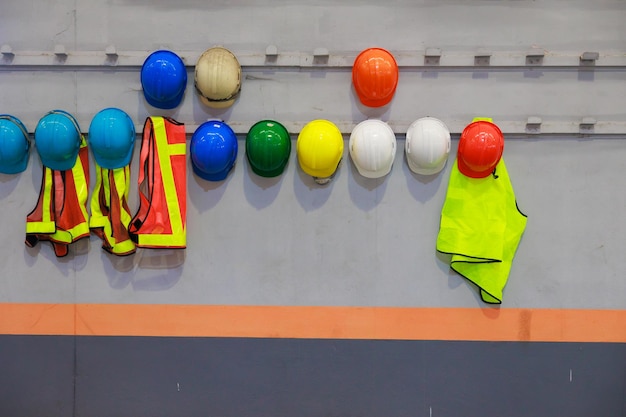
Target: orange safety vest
point(110, 215)
point(161, 219)
point(61, 212)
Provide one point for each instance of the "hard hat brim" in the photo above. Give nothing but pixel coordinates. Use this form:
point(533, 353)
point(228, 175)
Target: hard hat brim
point(376, 103)
point(220, 104)
point(116, 163)
point(373, 174)
point(268, 173)
point(15, 168)
point(59, 165)
point(166, 105)
point(218, 176)
point(468, 172)
point(426, 171)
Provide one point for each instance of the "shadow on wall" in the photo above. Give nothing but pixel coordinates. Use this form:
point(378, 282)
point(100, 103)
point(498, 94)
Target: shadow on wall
point(359, 109)
point(146, 270)
point(203, 194)
point(261, 191)
point(424, 187)
point(75, 260)
point(365, 193)
point(309, 194)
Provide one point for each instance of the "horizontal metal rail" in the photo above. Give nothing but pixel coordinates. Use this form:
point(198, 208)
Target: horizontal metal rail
point(323, 58)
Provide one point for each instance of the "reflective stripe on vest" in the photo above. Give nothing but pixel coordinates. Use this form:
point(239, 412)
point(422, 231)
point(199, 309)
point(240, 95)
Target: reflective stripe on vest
point(60, 215)
point(110, 215)
point(160, 221)
point(481, 227)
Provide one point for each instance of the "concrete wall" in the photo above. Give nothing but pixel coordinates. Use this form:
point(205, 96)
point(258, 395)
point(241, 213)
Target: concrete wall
point(357, 242)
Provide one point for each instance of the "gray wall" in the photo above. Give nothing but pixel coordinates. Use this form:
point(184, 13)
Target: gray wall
point(355, 242)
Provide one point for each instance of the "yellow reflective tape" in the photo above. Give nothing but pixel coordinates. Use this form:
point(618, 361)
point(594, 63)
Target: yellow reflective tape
point(177, 149)
point(121, 176)
point(40, 227)
point(178, 240)
point(46, 225)
point(167, 175)
point(97, 219)
point(61, 236)
point(80, 182)
point(82, 194)
point(482, 119)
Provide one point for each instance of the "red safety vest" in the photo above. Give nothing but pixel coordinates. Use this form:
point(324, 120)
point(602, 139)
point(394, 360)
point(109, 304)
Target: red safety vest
point(110, 215)
point(160, 221)
point(61, 212)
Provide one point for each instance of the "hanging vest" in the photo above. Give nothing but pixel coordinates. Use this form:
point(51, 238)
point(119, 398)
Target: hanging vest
point(160, 221)
point(110, 215)
point(481, 227)
point(61, 212)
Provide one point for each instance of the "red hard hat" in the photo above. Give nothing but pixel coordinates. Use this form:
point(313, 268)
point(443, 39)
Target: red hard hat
point(375, 76)
point(480, 149)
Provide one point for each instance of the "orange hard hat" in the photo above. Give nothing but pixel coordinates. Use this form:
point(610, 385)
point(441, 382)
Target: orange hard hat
point(480, 149)
point(375, 76)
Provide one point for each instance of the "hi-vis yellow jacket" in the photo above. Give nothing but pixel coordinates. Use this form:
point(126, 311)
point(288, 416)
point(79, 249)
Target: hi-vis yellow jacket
point(481, 227)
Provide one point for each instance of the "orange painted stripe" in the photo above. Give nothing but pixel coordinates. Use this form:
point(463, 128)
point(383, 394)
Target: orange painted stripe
point(386, 323)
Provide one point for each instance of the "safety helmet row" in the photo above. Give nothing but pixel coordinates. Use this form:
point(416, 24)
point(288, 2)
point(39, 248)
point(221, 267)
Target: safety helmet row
point(112, 138)
point(14, 145)
point(57, 140)
point(480, 148)
point(268, 147)
point(217, 78)
point(427, 146)
point(163, 79)
point(213, 150)
point(372, 147)
point(375, 77)
point(319, 148)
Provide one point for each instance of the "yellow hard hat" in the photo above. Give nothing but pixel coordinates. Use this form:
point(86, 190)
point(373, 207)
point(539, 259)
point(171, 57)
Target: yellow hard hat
point(319, 149)
point(218, 77)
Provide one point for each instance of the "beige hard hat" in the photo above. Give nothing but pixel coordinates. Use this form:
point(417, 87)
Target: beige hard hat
point(218, 77)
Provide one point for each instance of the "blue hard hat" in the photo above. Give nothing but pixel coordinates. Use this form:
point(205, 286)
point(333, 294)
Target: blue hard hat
point(14, 145)
point(213, 150)
point(163, 79)
point(57, 139)
point(112, 138)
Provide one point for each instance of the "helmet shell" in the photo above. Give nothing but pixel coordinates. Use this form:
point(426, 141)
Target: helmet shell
point(427, 145)
point(163, 79)
point(213, 150)
point(319, 148)
point(268, 147)
point(14, 145)
point(375, 76)
point(112, 138)
point(57, 140)
point(480, 149)
point(217, 77)
point(372, 148)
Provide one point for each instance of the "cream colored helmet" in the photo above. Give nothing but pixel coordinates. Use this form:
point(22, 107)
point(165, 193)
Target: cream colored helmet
point(218, 77)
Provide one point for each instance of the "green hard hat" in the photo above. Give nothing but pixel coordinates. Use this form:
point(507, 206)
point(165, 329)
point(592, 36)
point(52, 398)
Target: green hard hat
point(268, 147)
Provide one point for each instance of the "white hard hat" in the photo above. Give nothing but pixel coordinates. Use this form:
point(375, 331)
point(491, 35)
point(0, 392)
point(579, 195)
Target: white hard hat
point(427, 145)
point(372, 148)
point(218, 77)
